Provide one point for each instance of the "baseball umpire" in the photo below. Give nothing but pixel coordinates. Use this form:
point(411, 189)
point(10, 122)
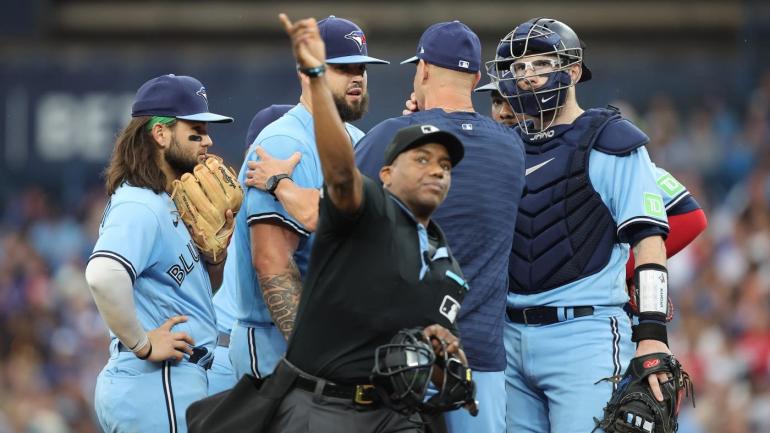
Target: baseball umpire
point(379, 264)
point(151, 284)
point(479, 214)
point(272, 246)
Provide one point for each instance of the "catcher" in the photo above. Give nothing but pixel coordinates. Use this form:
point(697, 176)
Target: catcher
point(152, 277)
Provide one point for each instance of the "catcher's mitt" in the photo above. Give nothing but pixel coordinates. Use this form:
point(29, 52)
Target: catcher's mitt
point(202, 198)
point(634, 409)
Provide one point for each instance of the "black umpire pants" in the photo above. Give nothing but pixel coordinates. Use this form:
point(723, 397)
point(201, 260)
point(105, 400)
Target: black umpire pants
point(306, 412)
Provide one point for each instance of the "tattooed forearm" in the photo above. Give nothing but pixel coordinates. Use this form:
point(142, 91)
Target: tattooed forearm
point(281, 293)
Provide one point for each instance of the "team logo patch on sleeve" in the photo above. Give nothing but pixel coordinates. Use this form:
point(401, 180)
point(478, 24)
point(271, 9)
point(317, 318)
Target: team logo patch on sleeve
point(653, 205)
point(449, 308)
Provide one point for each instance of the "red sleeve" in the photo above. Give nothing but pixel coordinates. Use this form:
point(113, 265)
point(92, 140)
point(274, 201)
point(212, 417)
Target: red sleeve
point(683, 229)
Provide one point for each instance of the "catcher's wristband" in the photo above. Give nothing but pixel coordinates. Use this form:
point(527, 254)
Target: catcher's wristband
point(649, 330)
point(651, 291)
point(316, 71)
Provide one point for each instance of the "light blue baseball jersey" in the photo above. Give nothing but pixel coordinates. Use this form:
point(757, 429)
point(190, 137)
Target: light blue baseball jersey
point(628, 187)
point(291, 133)
point(142, 230)
point(671, 190)
point(225, 305)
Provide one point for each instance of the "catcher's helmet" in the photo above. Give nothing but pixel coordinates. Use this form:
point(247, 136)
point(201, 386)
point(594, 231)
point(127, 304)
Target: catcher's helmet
point(543, 37)
point(402, 370)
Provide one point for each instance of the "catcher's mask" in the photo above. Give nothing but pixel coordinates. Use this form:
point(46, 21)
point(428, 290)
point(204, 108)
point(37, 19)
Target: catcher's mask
point(540, 47)
point(457, 390)
point(402, 370)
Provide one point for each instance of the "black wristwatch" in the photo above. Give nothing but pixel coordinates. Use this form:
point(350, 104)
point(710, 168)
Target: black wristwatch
point(273, 181)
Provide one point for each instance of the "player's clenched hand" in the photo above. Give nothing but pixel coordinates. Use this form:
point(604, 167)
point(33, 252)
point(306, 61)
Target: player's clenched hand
point(410, 105)
point(165, 344)
point(306, 42)
point(259, 171)
point(438, 334)
point(654, 346)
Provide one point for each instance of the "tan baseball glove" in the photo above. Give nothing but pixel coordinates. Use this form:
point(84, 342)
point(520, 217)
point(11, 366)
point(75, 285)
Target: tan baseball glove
point(203, 198)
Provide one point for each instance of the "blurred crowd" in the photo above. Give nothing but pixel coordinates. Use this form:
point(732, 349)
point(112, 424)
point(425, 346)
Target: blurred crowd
point(53, 343)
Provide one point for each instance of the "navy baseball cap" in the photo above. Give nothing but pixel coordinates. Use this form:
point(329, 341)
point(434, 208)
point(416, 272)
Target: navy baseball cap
point(176, 96)
point(345, 42)
point(263, 118)
point(451, 45)
point(417, 135)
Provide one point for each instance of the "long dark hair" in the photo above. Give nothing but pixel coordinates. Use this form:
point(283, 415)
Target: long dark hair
point(134, 159)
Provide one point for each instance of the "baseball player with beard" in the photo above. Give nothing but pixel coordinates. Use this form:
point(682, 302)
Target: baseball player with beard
point(272, 247)
point(151, 284)
point(449, 58)
point(221, 374)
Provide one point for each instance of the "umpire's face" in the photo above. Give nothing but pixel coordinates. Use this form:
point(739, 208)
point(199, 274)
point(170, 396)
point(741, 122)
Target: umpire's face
point(348, 85)
point(420, 177)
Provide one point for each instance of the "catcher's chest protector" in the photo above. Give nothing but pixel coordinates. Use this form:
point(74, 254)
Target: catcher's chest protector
point(564, 231)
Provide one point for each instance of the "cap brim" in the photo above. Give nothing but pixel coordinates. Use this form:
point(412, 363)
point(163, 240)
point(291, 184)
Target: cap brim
point(350, 60)
point(486, 88)
point(452, 144)
point(414, 59)
point(206, 117)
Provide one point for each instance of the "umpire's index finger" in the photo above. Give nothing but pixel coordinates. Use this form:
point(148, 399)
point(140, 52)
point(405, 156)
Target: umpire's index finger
point(287, 24)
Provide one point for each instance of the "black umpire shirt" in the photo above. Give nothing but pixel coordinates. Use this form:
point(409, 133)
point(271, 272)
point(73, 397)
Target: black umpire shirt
point(370, 275)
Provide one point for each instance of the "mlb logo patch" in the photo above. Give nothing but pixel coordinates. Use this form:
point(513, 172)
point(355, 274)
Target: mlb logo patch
point(449, 308)
point(464, 64)
point(427, 129)
point(467, 126)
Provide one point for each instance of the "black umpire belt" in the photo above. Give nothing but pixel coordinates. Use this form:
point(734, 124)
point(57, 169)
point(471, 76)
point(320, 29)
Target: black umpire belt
point(536, 316)
point(360, 394)
point(198, 357)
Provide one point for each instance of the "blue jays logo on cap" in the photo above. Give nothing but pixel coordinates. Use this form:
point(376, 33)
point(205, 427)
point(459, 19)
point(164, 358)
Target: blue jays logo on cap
point(336, 32)
point(358, 37)
point(202, 93)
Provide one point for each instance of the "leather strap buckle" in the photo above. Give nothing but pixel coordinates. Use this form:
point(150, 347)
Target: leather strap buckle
point(364, 394)
point(524, 315)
